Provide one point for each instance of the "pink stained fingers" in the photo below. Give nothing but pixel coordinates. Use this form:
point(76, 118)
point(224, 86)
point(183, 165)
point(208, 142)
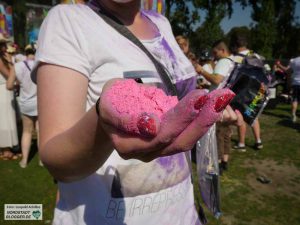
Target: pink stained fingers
point(208, 115)
point(146, 111)
point(179, 117)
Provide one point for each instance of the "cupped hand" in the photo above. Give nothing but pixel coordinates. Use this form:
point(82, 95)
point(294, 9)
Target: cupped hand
point(171, 128)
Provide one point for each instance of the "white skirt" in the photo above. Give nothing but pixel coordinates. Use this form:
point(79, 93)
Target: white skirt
point(8, 126)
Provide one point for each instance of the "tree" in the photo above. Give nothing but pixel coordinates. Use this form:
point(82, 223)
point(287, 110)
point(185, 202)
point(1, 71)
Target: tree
point(182, 16)
point(286, 29)
point(264, 32)
point(274, 27)
point(293, 46)
point(210, 30)
point(19, 21)
point(236, 31)
point(204, 37)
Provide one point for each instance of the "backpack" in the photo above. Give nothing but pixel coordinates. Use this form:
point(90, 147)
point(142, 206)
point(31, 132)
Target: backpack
point(249, 81)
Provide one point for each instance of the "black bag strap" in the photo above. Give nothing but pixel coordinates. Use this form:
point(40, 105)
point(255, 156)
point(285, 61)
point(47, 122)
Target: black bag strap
point(26, 64)
point(123, 30)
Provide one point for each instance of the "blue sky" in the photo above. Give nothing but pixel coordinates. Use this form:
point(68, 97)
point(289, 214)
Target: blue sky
point(241, 17)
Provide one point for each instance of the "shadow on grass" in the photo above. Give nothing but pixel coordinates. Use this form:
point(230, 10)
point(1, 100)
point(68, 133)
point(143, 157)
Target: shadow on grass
point(290, 124)
point(235, 142)
point(33, 150)
point(282, 116)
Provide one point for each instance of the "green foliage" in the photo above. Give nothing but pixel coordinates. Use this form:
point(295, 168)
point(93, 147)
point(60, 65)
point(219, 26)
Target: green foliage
point(293, 47)
point(19, 21)
point(210, 31)
point(273, 34)
point(245, 31)
point(182, 17)
point(206, 35)
point(264, 32)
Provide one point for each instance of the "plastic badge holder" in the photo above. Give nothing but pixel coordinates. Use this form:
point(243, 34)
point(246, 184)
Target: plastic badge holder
point(208, 171)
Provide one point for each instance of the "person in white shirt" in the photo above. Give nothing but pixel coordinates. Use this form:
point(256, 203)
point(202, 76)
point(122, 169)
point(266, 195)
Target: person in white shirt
point(222, 68)
point(221, 71)
point(78, 55)
point(208, 64)
point(294, 67)
point(239, 43)
point(27, 101)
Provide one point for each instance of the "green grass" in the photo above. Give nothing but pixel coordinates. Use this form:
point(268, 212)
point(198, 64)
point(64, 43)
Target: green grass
point(279, 203)
point(32, 185)
point(244, 200)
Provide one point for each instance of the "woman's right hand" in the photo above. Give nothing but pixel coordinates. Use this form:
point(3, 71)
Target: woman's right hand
point(177, 131)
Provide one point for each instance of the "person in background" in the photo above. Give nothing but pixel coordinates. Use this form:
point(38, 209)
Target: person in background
point(183, 43)
point(19, 56)
point(239, 45)
point(11, 53)
point(294, 67)
point(27, 101)
point(208, 64)
point(192, 57)
point(11, 50)
point(8, 127)
point(221, 71)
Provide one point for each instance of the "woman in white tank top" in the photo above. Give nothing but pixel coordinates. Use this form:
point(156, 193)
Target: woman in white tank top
point(8, 127)
point(27, 101)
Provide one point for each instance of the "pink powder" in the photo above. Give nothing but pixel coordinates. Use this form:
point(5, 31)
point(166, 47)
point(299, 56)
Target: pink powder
point(147, 111)
point(129, 100)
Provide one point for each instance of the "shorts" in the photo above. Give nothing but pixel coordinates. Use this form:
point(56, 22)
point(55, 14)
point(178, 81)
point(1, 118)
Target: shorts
point(223, 134)
point(296, 93)
point(28, 108)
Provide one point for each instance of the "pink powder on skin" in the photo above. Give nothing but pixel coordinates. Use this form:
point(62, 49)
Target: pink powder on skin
point(179, 117)
point(147, 111)
point(129, 100)
point(208, 115)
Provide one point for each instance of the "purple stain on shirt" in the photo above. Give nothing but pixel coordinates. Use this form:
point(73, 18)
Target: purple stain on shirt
point(168, 49)
point(166, 162)
point(153, 13)
point(170, 162)
point(185, 86)
point(181, 160)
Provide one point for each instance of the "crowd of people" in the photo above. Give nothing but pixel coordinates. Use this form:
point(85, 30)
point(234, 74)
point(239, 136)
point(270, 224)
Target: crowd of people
point(213, 66)
point(18, 101)
point(106, 176)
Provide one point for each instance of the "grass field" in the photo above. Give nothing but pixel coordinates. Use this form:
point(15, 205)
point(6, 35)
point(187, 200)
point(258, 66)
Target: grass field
point(245, 201)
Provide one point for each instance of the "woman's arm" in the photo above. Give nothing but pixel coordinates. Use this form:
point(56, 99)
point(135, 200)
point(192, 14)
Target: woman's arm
point(4, 70)
point(285, 68)
point(72, 141)
point(212, 78)
point(10, 82)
